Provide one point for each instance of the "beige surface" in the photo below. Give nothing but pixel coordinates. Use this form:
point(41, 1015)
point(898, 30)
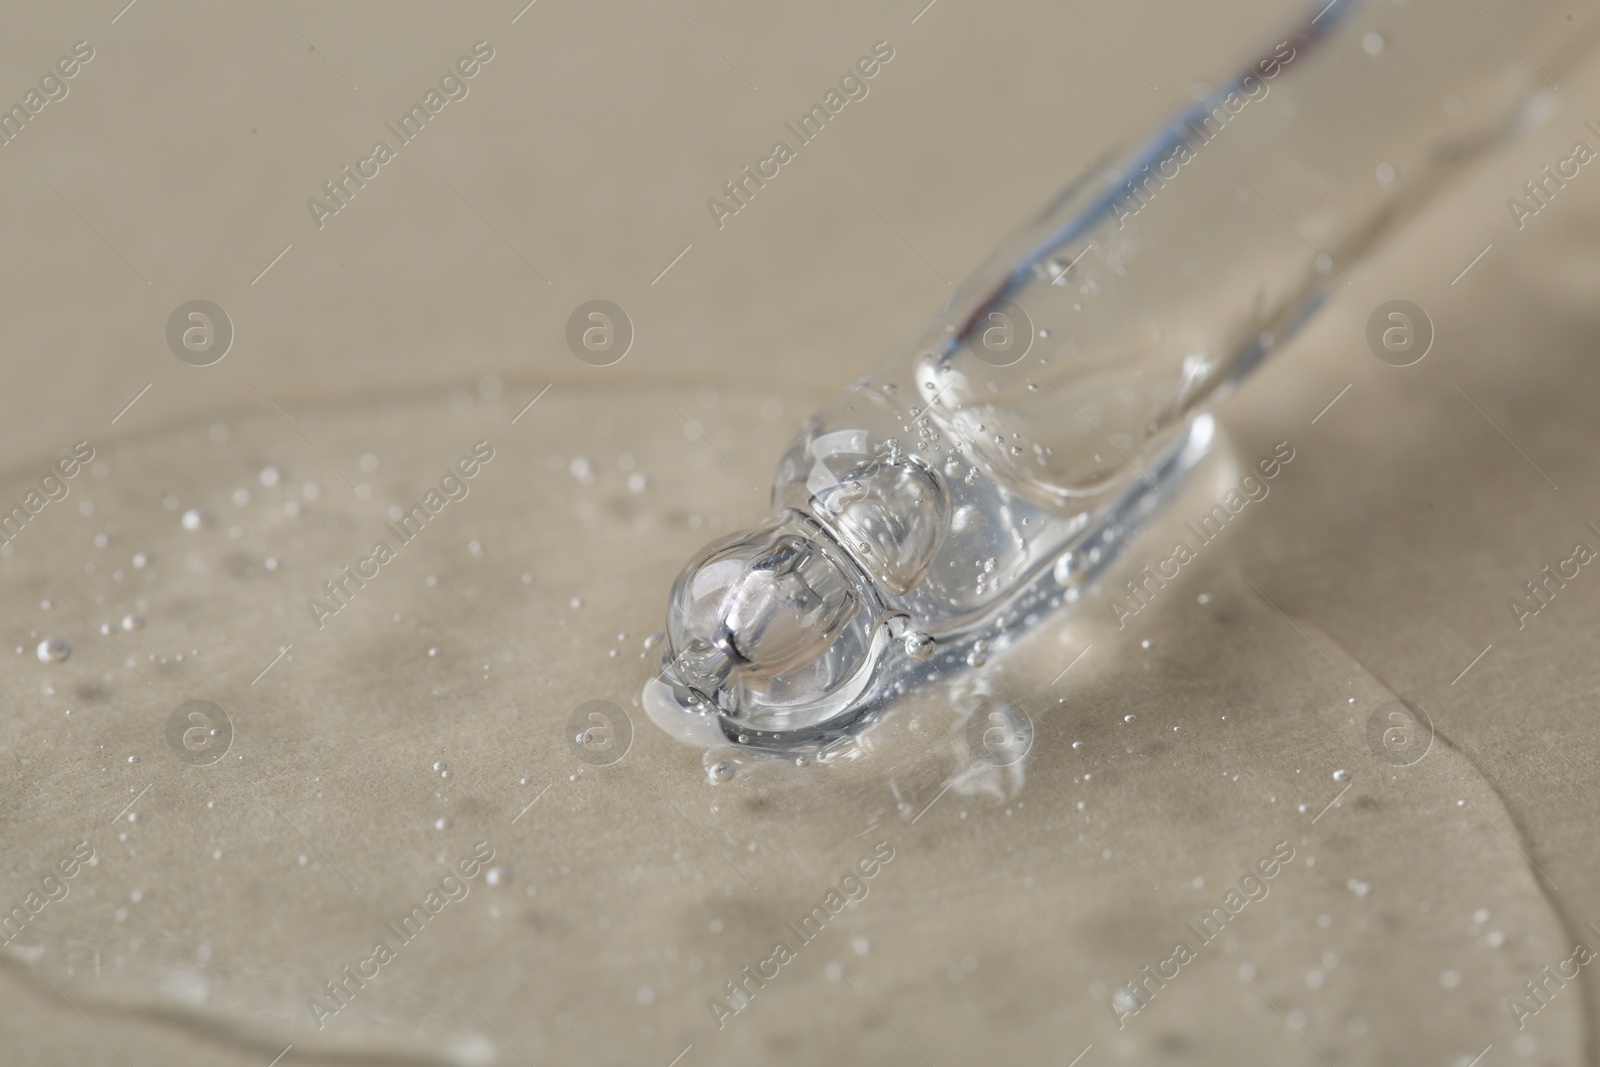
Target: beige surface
point(412, 326)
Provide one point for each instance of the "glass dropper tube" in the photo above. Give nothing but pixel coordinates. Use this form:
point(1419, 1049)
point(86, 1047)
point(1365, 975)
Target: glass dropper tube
point(982, 474)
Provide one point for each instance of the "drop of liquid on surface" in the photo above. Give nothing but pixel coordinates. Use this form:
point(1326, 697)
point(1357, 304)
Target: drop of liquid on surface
point(497, 876)
point(53, 650)
point(918, 645)
point(195, 518)
point(132, 621)
point(720, 771)
point(1341, 776)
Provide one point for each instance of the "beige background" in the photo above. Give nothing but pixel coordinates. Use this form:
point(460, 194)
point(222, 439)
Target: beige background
point(427, 314)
